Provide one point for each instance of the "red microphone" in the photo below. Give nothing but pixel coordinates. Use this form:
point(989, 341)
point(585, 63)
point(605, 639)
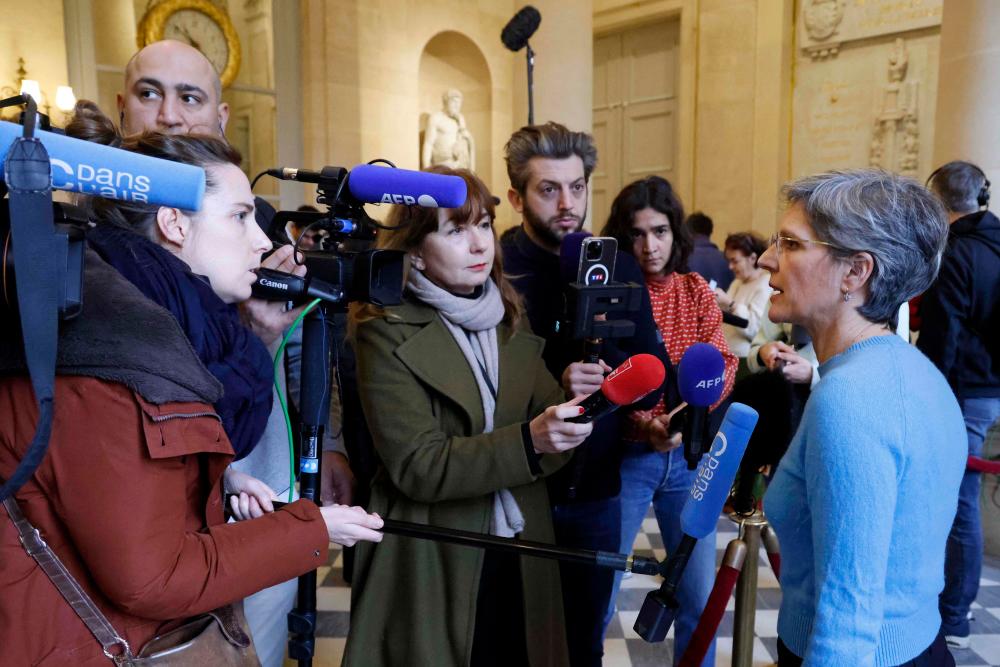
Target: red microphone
point(638, 375)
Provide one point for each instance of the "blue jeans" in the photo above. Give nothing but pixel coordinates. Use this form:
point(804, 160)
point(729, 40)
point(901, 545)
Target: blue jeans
point(963, 560)
point(587, 590)
point(664, 480)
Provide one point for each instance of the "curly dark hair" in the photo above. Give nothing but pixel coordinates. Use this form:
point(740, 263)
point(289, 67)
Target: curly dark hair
point(656, 193)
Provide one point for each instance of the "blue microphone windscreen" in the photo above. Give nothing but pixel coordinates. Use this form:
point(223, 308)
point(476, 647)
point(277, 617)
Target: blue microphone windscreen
point(388, 185)
point(569, 255)
point(700, 375)
point(95, 169)
point(717, 471)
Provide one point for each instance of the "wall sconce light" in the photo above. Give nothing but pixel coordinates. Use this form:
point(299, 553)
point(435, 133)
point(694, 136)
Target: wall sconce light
point(65, 99)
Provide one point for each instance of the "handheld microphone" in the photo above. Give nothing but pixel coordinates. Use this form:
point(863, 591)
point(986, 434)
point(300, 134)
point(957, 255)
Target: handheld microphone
point(638, 375)
point(700, 380)
point(735, 320)
point(370, 184)
point(701, 511)
point(520, 28)
point(102, 171)
point(274, 285)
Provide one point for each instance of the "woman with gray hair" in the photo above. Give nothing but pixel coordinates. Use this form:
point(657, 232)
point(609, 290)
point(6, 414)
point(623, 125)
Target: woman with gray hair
point(881, 433)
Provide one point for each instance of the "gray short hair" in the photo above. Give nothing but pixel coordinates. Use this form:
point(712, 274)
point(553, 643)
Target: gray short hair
point(893, 218)
point(960, 185)
point(551, 140)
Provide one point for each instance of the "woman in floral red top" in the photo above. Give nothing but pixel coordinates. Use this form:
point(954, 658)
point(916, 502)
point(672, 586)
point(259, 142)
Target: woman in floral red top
point(646, 218)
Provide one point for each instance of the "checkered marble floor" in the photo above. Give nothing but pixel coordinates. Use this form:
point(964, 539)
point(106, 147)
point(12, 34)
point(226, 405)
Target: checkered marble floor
point(623, 648)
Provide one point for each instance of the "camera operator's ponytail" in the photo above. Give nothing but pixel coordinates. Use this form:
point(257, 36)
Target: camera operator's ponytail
point(90, 124)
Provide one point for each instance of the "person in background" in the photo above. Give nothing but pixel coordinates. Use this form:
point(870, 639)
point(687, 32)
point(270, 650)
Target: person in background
point(747, 294)
point(647, 219)
point(862, 550)
point(706, 259)
point(960, 333)
point(467, 421)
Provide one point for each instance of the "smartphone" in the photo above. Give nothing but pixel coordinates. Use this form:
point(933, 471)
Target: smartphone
point(712, 284)
point(597, 260)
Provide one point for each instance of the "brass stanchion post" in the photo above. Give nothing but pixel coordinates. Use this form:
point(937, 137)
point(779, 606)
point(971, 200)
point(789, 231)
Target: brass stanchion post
point(746, 589)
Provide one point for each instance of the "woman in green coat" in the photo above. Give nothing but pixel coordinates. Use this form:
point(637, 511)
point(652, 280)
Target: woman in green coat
point(466, 421)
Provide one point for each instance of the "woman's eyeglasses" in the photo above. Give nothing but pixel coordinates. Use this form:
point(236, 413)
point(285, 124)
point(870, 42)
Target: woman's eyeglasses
point(782, 242)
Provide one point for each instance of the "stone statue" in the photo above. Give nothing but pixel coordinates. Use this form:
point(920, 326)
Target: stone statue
point(898, 61)
point(447, 141)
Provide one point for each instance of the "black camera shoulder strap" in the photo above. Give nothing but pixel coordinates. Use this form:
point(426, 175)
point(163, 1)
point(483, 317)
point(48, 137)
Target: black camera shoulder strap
point(28, 178)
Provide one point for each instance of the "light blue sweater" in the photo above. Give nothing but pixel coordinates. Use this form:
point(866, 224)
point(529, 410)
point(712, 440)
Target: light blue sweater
point(862, 503)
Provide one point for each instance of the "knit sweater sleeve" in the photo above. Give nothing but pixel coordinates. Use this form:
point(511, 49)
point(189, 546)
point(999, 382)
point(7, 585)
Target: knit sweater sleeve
point(851, 466)
point(752, 306)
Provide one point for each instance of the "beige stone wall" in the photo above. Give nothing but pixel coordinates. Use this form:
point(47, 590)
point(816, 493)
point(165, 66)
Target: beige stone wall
point(723, 177)
point(34, 31)
point(734, 102)
point(839, 101)
point(361, 78)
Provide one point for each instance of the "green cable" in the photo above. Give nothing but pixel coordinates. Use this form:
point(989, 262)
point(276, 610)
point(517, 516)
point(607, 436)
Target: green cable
point(278, 356)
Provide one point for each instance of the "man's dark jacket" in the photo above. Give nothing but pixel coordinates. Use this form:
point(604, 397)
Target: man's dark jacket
point(960, 332)
point(535, 274)
point(708, 261)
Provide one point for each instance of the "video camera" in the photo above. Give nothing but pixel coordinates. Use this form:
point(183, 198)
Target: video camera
point(342, 266)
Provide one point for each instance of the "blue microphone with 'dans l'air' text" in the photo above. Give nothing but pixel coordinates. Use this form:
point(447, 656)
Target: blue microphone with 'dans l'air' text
point(709, 491)
point(103, 171)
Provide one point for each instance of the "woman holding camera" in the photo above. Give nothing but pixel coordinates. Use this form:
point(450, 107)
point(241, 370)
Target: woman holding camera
point(862, 548)
point(466, 421)
point(129, 496)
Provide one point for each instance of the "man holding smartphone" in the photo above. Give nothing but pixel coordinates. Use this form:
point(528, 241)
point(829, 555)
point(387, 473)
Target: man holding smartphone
point(549, 168)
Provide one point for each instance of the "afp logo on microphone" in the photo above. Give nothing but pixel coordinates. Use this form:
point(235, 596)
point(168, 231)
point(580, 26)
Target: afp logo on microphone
point(710, 383)
point(426, 201)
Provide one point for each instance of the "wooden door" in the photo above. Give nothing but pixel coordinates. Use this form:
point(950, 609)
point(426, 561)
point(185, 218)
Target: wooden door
point(635, 109)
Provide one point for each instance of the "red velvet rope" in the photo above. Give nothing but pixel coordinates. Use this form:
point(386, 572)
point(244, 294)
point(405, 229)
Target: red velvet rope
point(977, 464)
point(708, 624)
point(775, 560)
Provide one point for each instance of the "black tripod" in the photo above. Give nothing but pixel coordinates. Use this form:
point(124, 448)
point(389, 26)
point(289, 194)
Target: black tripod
point(317, 346)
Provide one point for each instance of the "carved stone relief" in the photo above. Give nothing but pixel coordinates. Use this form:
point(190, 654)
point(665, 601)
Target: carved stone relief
point(828, 24)
point(895, 142)
point(822, 18)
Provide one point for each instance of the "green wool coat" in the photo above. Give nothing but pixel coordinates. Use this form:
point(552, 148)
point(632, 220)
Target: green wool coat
point(413, 602)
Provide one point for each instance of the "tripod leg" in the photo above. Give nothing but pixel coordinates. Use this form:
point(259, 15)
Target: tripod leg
point(317, 345)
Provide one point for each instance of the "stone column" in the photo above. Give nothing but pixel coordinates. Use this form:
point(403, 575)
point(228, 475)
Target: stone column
point(968, 94)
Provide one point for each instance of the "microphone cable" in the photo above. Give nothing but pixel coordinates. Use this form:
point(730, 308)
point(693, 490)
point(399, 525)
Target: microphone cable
point(279, 356)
